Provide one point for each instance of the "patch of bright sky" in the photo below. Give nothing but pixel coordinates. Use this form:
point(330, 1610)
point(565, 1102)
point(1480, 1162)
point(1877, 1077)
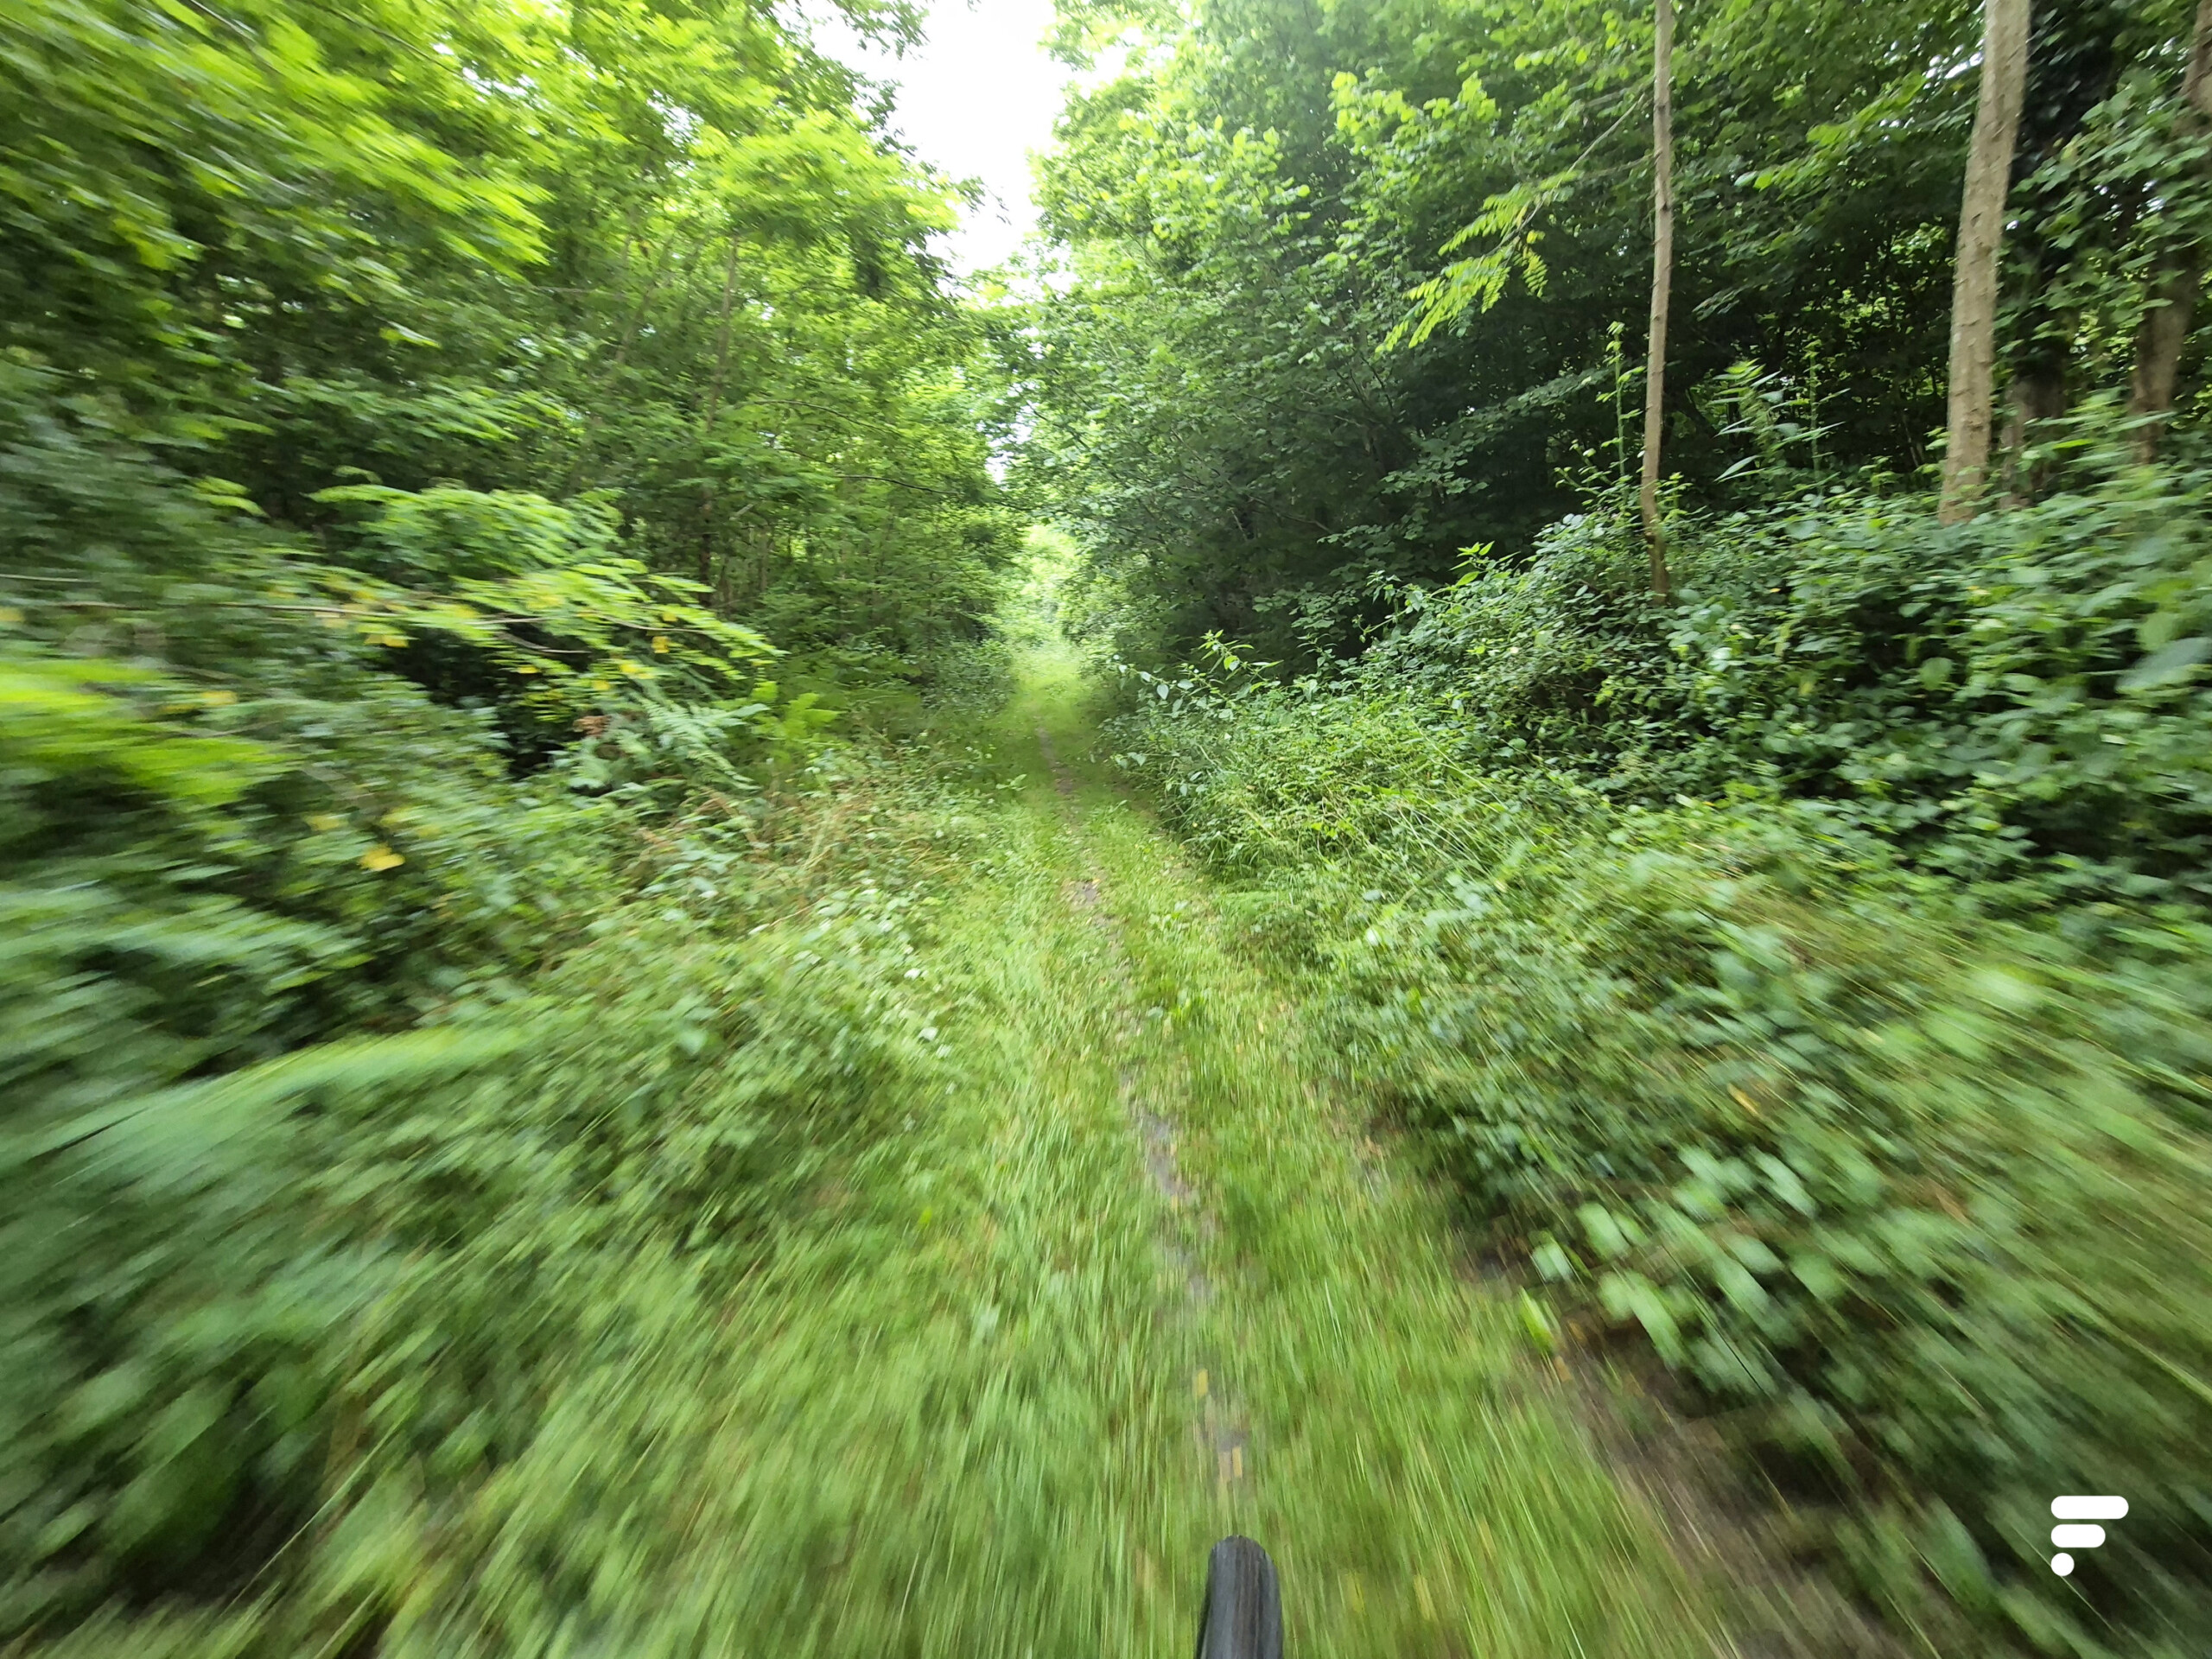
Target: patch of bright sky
point(974, 98)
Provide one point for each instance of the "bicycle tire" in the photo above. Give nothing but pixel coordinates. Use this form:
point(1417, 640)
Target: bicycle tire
point(1243, 1614)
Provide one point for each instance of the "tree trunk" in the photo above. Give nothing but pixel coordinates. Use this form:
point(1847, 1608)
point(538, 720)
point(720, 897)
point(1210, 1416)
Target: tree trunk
point(2073, 64)
point(2173, 293)
point(598, 412)
point(707, 420)
point(1981, 238)
point(1663, 279)
point(2038, 395)
point(721, 343)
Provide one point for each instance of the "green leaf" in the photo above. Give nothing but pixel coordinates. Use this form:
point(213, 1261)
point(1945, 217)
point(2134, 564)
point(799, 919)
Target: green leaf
point(2167, 665)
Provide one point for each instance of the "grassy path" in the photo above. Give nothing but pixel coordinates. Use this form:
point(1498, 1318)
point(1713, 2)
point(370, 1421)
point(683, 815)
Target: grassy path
point(1137, 1285)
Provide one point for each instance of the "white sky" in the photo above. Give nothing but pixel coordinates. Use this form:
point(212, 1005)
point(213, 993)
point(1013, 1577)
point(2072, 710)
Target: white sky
point(974, 98)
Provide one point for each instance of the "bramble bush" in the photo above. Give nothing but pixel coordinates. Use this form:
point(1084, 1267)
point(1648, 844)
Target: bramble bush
point(2014, 693)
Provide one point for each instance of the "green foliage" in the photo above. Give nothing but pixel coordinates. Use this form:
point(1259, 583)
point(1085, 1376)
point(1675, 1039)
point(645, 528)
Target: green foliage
point(531, 606)
point(253, 1286)
point(1909, 1191)
point(165, 1313)
point(1807, 976)
point(450, 250)
point(417, 422)
point(1811, 977)
point(1339, 288)
point(1810, 973)
point(2015, 696)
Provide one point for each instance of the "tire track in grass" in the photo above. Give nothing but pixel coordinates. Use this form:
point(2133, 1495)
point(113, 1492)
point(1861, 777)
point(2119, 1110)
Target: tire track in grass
point(1223, 1431)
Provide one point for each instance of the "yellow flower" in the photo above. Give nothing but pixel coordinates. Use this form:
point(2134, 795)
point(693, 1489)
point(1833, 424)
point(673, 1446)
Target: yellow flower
point(324, 823)
point(381, 858)
point(660, 644)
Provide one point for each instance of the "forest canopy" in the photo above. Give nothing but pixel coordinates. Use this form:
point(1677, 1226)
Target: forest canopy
point(659, 256)
point(1353, 291)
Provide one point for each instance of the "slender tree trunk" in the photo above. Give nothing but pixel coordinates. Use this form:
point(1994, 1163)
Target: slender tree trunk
point(721, 340)
point(707, 419)
point(1981, 240)
point(2038, 395)
point(2173, 293)
point(1663, 282)
point(614, 366)
point(2074, 65)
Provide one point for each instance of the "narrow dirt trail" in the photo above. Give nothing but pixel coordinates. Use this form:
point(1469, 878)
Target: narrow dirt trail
point(1139, 1284)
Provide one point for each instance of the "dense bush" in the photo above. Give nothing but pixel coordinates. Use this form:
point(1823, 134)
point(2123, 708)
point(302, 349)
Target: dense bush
point(1816, 975)
point(259, 1270)
point(321, 1193)
point(2010, 694)
point(410, 1008)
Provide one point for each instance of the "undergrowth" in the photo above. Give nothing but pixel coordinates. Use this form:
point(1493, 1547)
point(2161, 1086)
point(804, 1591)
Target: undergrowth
point(1811, 980)
point(278, 1323)
point(439, 967)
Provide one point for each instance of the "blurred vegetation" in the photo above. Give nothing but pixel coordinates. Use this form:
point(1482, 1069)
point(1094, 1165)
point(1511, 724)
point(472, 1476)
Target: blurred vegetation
point(436, 441)
point(486, 486)
point(1846, 1033)
point(1809, 977)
